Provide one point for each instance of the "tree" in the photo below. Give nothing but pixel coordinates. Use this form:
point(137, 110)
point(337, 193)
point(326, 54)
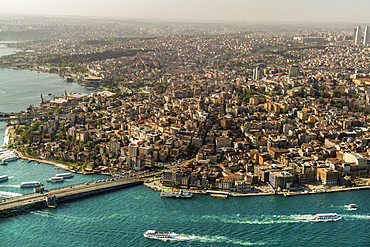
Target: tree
point(90, 144)
point(321, 139)
point(58, 110)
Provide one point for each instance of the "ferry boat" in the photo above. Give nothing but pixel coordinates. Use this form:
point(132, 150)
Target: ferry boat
point(30, 184)
point(64, 175)
point(55, 179)
point(352, 207)
point(328, 217)
point(3, 178)
point(176, 194)
point(12, 158)
point(160, 235)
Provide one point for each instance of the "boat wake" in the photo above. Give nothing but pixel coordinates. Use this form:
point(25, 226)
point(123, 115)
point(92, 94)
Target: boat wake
point(9, 185)
point(215, 239)
point(7, 194)
point(261, 220)
point(356, 217)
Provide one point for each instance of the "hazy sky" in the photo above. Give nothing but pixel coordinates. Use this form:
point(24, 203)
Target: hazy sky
point(356, 11)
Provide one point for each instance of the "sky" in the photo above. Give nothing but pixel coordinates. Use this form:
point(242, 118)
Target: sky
point(352, 11)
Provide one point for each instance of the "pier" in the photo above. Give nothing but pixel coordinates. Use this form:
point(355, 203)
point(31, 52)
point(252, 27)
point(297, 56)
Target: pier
point(50, 198)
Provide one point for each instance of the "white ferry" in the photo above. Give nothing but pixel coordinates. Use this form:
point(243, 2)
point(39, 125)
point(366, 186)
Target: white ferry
point(160, 235)
point(352, 207)
point(12, 158)
point(64, 175)
point(328, 217)
point(176, 194)
point(9, 156)
point(3, 178)
point(30, 184)
point(55, 179)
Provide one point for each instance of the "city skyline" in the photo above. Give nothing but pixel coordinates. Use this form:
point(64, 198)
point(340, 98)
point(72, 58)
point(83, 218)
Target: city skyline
point(205, 10)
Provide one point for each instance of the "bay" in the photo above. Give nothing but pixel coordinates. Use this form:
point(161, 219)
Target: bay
point(119, 218)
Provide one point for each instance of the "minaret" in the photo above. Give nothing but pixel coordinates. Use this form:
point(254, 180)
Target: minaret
point(65, 94)
point(42, 100)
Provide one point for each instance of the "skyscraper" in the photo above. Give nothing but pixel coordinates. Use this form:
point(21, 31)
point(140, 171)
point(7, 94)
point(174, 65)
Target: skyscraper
point(257, 74)
point(366, 36)
point(357, 35)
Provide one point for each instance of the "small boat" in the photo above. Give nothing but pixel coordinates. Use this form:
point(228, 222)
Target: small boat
point(328, 217)
point(3, 178)
point(28, 161)
point(219, 196)
point(352, 207)
point(4, 163)
point(160, 235)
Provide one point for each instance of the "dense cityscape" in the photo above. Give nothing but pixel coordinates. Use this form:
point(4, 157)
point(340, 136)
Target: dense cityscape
point(222, 107)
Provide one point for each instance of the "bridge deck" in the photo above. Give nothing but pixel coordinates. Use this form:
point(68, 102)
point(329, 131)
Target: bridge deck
point(66, 193)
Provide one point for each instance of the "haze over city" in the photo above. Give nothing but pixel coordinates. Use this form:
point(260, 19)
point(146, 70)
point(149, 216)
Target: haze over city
point(205, 10)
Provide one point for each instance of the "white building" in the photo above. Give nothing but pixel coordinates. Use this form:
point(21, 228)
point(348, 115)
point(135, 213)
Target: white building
point(366, 36)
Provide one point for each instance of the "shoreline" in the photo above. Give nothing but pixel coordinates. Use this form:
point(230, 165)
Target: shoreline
point(156, 186)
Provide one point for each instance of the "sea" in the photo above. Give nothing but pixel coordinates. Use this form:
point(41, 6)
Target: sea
point(121, 217)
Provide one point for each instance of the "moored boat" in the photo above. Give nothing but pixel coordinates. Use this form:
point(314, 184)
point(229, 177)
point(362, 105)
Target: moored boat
point(328, 217)
point(176, 194)
point(30, 184)
point(55, 179)
point(160, 235)
point(64, 175)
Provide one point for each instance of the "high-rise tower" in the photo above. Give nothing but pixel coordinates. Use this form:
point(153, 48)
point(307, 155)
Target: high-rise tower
point(357, 35)
point(366, 36)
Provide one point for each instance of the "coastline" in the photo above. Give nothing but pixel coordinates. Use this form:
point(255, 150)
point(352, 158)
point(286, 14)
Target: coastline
point(156, 186)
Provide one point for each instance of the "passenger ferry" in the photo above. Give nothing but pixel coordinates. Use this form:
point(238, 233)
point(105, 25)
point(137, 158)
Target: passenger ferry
point(352, 207)
point(30, 184)
point(176, 194)
point(9, 156)
point(160, 235)
point(3, 178)
point(64, 175)
point(55, 179)
point(328, 217)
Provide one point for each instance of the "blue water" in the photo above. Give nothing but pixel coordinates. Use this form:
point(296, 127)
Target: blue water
point(119, 218)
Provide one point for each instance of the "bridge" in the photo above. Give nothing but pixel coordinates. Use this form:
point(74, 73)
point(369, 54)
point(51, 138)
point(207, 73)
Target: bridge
point(50, 198)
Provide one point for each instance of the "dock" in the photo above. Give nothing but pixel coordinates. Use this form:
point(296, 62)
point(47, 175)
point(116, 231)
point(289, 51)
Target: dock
point(51, 198)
